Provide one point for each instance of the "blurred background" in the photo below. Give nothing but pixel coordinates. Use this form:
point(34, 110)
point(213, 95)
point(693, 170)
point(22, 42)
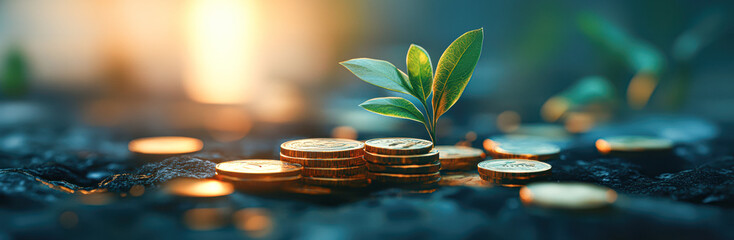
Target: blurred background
point(224, 70)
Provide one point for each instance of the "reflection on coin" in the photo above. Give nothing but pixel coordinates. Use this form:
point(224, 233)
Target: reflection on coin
point(407, 169)
point(633, 144)
point(357, 181)
point(260, 184)
point(459, 157)
point(334, 172)
point(463, 178)
point(398, 146)
point(568, 195)
point(508, 170)
point(322, 148)
point(522, 149)
point(325, 162)
point(258, 168)
point(422, 159)
point(404, 178)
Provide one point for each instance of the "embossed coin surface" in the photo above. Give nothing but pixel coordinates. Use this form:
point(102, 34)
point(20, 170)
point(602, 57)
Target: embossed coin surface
point(258, 168)
point(633, 144)
point(459, 157)
point(398, 146)
point(526, 149)
point(567, 195)
point(501, 170)
point(322, 148)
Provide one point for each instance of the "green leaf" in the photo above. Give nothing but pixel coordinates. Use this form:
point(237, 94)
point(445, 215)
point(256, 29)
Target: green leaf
point(420, 71)
point(393, 107)
point(379, 73)
point(454, 70)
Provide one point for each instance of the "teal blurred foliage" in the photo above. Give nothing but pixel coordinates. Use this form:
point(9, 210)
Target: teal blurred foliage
point(590, 90)
point(14, 78)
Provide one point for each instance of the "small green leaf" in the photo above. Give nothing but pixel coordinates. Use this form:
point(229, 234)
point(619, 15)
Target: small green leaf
point(420, 71)
point(379, 73)
point(454, 70)
point(393, 107)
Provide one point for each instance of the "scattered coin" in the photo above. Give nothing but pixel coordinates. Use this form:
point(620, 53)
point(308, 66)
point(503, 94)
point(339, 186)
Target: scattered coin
point(258, 168)
point(459, 157)
point(567, 195)
point(522, 149)
point(631, 144)
point(358, 181)
point(405, 178)
point(421, 159)
point(513, 170)
point(322, 148)
point(405, 169)
point(335, 172)
point(325, 162)
point(398, 146)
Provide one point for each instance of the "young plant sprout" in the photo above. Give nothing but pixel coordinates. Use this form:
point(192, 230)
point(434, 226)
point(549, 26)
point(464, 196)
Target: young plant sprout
point(453, 72)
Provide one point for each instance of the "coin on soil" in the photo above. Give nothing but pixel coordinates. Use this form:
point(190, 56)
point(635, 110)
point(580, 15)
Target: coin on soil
point(567, 195)
point(258, 168)
point(525, 149)
point(322, 148)
point(630, 144)
point(501, 170)
point(398, 146)
point(459, 157)
point(421, 159)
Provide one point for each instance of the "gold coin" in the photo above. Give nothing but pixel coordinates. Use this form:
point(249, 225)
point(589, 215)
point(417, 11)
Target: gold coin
point(405, 169)
point(459, 157)
point(525, 149)
point(322, 148)
point(334, 172)
point(502, 170)
point(357, 181)
point(259, 184)
point(567, 195)
point(631, 144)
point(398, 146)
point(404, 178)
point(422, 159)
point(325, 162)
point(258, 168)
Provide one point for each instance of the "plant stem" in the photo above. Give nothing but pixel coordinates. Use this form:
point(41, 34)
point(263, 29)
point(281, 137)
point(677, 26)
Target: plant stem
point(429, 122)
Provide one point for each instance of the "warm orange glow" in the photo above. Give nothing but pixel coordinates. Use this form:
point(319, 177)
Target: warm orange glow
point(187, 187)
point(96, 199)
point(526, 196)
point(554, 108)
point(222, 64)
point(603, 146)
point(489, 145)
point(280, 103)
point(203, 219)
point(640, 89)
point(256, 222)
point(165, 145)
point(508, 121)
point(345, 132)
point(228, 124)
point(137, 190)
point(579, 122)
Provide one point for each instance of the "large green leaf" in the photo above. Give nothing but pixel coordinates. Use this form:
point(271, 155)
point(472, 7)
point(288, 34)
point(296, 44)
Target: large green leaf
point(379, 73)
point(454, 70)
point(394, 107)
point(420, 71)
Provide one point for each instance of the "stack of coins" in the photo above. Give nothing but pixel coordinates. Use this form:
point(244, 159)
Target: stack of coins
point(511, 172)
point(522, 149)
point(259, 174)
point(330, 162)
point(459, 157)
point(402, 161)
